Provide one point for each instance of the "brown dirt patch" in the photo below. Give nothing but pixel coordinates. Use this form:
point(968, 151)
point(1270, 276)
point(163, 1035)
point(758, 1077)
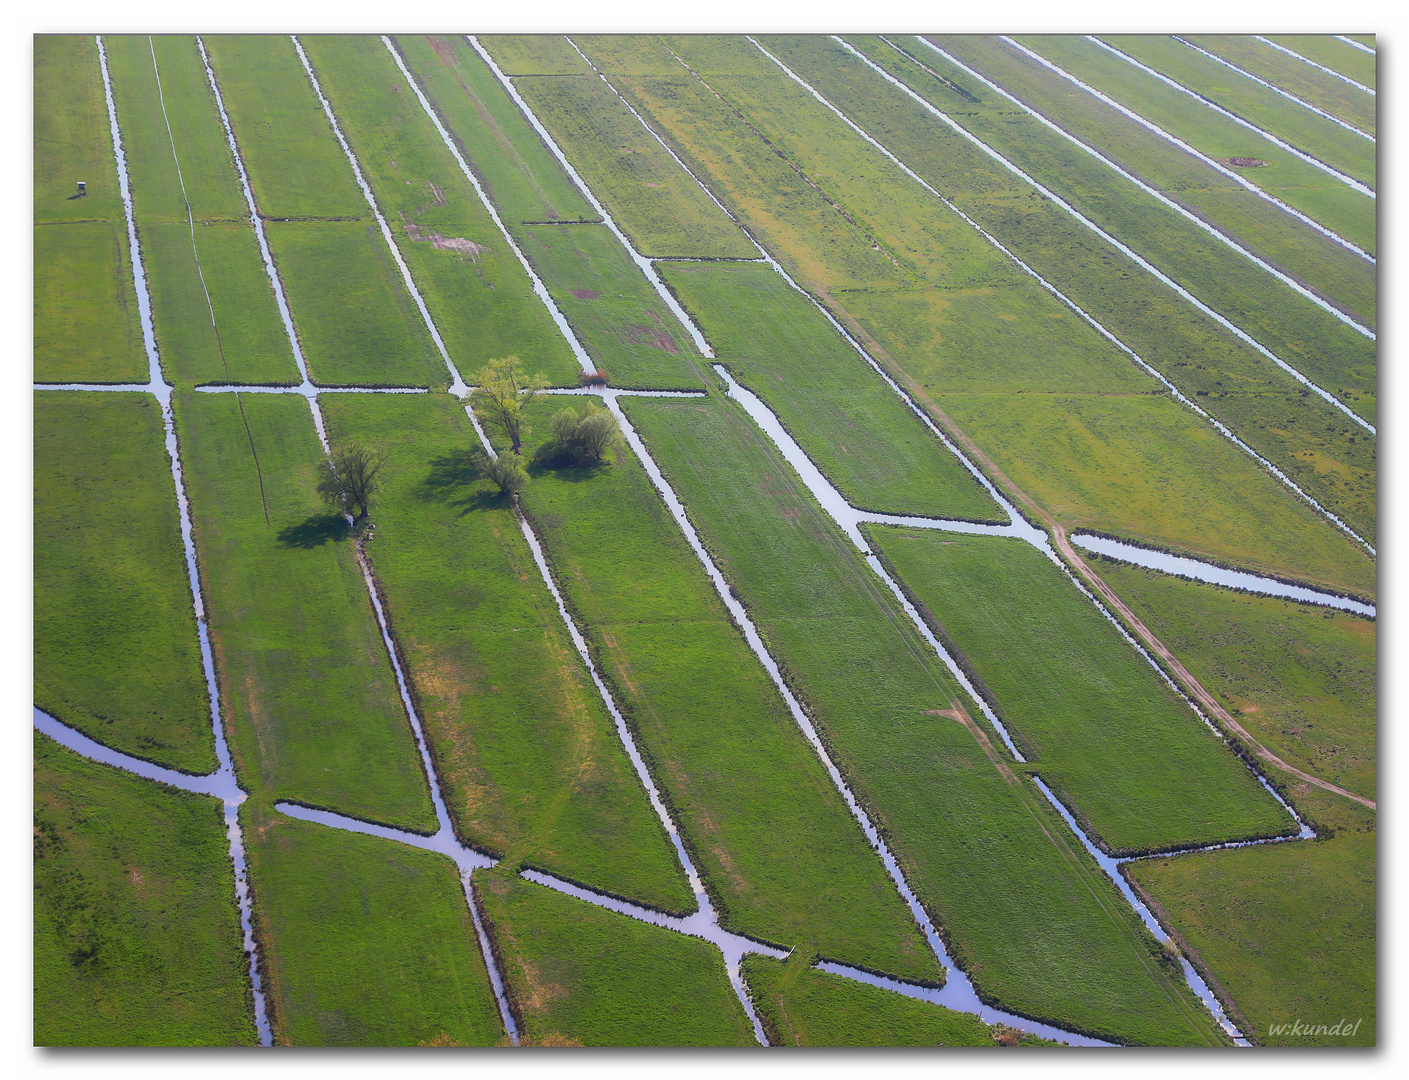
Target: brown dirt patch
point(658, 337)
point(468, 250)
point(585, 294)
point(1244, 162)
point(442, 49)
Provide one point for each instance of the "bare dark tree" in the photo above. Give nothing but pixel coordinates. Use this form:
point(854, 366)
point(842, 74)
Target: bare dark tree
point(350, 480)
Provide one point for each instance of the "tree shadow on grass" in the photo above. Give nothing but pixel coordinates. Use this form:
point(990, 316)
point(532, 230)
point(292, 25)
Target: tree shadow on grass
point(456, 480)
point(316, 531)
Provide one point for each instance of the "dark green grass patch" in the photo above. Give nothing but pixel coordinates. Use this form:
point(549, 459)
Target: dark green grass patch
point(477, 291)
point(620, 319)
point(294, 162)
point(529, 760)
point(1095, 720)
point(247, 342)
point(1257, 104)
point(1329, 269)
point(356, 322)
point(1286, 930)
point(857, 429)
point(115, 647)
point(654, 201)
point(534, 54)
point(306, 687)
point(773, 839)
point(1301, 185)
point(1141, 467)
point(801, 1006)
point(136, 934)
point(1301, 678)
point(580, 975)
point(367, 942)
point(518, 171)
point(1027, 913)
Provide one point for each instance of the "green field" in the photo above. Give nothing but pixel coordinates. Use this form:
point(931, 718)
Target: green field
point(801, 1006)
point(1301, 185)
point(520, 174)
point(781, 856)
point(583, 976)
point(1300, 678)
point(1091, 716)
point(1267, 109)
point(655, 202)
point(855, 428)
point(1288, 930)
point(367, 942)
point(1325, 50)
point(981, 851)
point(1139, 466)
point(136, 933)
point(477, 292)
point(115, 649)
point(306, 687)
point(85, 311)
point(533, 54)
point(529, 762)
point(620, 319)
point(246, 342)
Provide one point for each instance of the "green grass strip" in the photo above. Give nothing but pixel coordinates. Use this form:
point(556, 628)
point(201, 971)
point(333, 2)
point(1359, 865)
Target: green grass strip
point(521, 176)
point(306, 688)
point(115, 647)
point(857, 429)
point(799, 1005)
point(367, 942)
point(529, 761)
point(534, 54)
point(781, 855)
point(295, 165)
point(581, 975)
point(1288, 930)
point(1301, 678)
point(85, 312)
point(477, 291)
point(1325, 50)
point(247, 341)
point(1039, 930)
point(655, 202)
point(1119, 747)
point(136, 934)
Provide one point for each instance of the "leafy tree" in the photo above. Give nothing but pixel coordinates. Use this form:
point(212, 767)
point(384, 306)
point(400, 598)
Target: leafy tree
point(506, 472)
point(586, 433)
point(501, 397)
point(349, 480)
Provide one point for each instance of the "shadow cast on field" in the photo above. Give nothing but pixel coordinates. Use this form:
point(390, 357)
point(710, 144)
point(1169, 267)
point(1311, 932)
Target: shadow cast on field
point(316, 531)
point(454, 479)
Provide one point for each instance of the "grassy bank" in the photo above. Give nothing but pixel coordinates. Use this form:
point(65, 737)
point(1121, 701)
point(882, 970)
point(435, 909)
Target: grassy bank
point(522, 177)
point(801, 1006)
point(477, 292)
point(115, 648)
point(1104, 731)
point(286, 600)
point(778, 850)
point(1300, 678)
point(136, 933)
point(857, 429)
point(85, 312)
point(580, 975)
point(982, 853)
point(367, 942)
point(1288, 930)
point(529, 761)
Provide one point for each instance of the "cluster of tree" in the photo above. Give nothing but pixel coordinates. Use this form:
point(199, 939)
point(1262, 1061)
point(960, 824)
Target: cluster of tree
point(581, 436)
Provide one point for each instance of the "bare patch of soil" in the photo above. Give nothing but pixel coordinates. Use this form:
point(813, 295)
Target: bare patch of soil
point(585, 294)
point(1244, 162)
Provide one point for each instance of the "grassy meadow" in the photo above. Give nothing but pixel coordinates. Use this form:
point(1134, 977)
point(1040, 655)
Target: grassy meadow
point(1092, 717)
point(367, 942)
point(859, 432)
point(115, 647)
point(1299, 677)
point(799, 1005)
point(979, 847)
point(85, 310)
point(778, 850)
point(529, 761)
point(136, 931)
point(1287, 930)
point(1325, 50)
point(306, 688)
point(581, 975)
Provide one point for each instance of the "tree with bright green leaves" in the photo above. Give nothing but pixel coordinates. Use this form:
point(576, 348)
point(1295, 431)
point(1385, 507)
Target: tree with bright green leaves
point(587, 433)
point(503, 392)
